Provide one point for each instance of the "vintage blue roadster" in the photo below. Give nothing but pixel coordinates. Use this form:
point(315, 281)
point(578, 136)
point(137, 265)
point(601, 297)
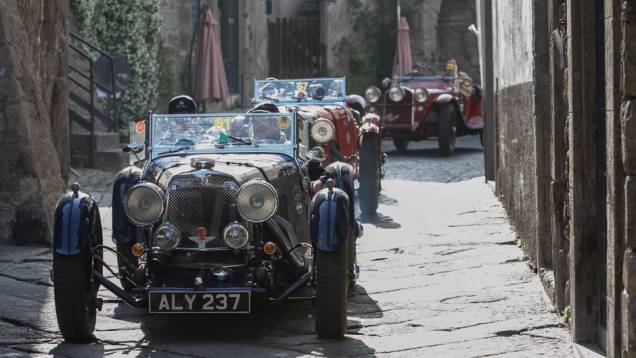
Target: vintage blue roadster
point(218, 213)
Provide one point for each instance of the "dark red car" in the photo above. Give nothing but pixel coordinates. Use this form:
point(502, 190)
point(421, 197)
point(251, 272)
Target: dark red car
point(428, 103)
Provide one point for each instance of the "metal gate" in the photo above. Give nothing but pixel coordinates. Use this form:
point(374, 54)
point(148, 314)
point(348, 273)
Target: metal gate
point(294, 48)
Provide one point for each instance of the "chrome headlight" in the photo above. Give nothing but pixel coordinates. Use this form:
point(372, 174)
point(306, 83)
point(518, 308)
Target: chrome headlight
point(372, 94)
point(166, 237)
point(396, 93)
point(235, 236)
point(322, 130)
point(421, 95)
point(144, 204)
point(257, 201)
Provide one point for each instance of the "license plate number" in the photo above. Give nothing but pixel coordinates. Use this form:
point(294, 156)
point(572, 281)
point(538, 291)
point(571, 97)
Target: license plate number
point(199, 302)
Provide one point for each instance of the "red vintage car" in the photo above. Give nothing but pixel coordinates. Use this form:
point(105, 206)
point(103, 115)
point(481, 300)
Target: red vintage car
point(428, 103)
point(338, 125)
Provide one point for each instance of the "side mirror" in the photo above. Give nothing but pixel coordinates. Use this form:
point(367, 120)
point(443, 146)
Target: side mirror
point(317, 92)
point(133, 148)
point(316, 154)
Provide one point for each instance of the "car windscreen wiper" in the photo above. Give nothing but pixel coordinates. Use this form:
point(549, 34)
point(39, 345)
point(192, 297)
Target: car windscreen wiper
point(175, 150)
point(237, 139)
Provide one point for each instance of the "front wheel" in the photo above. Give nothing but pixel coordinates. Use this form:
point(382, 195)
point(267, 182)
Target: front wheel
point(369, 175)
point(75, 296)
point(331, 279)
point(447, 130)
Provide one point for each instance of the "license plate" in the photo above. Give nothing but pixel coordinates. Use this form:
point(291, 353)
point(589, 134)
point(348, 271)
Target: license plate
point(199, 302)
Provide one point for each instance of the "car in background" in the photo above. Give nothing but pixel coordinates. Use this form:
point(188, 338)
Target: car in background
point(432, 101)
point(339, 124)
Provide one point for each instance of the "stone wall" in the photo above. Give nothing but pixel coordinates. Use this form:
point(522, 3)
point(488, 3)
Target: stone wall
point(176, 35)
point(577, 111)
point(628, 142)
point(33, 117)
point(515, 175)
point(253, 58)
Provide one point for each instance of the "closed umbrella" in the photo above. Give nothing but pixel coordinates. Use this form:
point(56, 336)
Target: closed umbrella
point(209, 82)
point(403, 63)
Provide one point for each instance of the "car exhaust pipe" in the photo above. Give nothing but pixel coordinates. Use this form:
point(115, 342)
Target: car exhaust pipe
point(286, 238)
point(125, 296)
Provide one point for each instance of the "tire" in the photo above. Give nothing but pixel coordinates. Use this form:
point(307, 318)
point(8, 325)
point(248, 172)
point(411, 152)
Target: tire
point(75, 297)
point(331, 279)
point(401, 144)
point(125, 250)
point(369, 175)
point(447, 130)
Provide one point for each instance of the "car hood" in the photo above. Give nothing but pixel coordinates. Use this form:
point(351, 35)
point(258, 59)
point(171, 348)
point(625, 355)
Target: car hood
point(433, 87)
point(239, 167)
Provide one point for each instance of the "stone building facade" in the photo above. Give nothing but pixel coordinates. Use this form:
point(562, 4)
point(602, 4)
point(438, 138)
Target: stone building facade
point(243, 26)
point(439, 31)
point(559, 83)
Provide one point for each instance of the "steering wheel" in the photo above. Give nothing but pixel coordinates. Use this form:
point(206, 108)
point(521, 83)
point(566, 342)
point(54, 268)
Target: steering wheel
point(184, 143)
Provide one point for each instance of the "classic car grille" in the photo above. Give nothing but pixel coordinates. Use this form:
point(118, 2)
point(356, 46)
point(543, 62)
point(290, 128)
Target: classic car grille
point(210, 206)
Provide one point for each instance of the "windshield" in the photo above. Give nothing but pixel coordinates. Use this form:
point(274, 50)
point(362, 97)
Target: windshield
point(447, 70)
point(301, 90)
point(226, 132)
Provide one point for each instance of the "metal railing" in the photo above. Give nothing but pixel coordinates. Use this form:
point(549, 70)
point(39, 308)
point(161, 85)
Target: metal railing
point(86, 100)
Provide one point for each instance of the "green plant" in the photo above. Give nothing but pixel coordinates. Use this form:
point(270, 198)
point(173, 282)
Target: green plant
point(81, 11)
point(130, 28)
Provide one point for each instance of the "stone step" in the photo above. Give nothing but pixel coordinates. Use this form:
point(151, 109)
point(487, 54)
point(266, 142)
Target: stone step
point(113, 159)
point(81, 141)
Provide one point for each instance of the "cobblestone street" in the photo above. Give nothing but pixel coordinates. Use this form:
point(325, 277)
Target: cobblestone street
point(441, 276)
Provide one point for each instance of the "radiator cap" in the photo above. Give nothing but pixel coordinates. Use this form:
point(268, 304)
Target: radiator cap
point(202, 163)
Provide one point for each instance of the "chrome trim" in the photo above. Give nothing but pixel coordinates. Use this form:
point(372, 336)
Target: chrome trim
point(258, 182)
point(162, 197)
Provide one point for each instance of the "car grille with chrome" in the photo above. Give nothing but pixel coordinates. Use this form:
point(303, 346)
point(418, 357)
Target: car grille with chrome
point(210, 206)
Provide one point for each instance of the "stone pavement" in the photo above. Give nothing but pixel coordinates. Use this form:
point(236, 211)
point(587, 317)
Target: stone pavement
point(441, 276)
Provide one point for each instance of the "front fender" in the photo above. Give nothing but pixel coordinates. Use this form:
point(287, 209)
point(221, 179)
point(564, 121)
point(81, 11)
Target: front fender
point(444, 98)
point(75, 220)
point(330, 220)
point(123, 231)
point(343, 176)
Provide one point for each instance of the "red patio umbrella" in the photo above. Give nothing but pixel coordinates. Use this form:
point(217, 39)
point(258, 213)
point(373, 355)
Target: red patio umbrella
point(402, 64)
point(209, 82)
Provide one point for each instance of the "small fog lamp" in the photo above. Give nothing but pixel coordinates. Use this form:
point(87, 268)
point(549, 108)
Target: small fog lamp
point(235, 236)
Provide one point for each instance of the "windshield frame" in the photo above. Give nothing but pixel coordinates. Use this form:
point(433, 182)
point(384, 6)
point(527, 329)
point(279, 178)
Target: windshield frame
point(307, 100)
point(290, 149)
